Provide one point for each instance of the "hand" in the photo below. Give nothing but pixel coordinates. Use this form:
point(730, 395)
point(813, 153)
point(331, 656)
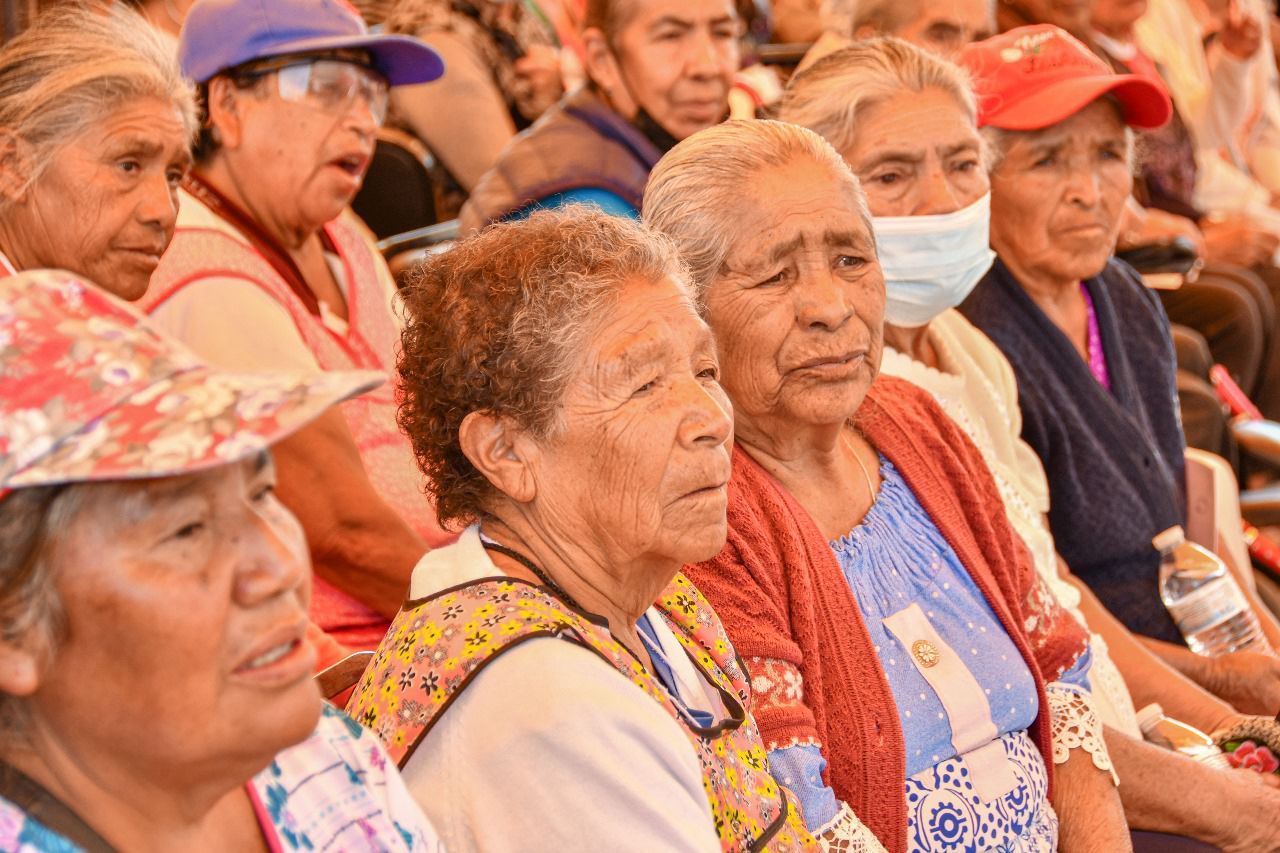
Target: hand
point(1250, 826)
point(537, 84)
point(1241, 34)
point(1248, 680)
point(1236, 239)
point(1158, 226)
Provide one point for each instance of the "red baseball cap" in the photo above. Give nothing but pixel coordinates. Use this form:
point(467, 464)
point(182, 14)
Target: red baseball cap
point(1032, 77)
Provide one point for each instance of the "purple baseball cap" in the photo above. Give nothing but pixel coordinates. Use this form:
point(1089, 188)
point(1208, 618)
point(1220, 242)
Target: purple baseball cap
point(221, 34)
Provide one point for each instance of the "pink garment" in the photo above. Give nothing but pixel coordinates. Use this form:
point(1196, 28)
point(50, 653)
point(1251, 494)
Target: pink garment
point(1097, 357)
point(370, 343)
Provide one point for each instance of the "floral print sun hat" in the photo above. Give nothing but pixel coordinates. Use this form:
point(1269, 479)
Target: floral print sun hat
point(89, 391)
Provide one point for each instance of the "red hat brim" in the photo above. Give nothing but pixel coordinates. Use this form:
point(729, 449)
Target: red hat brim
point(1145, 104)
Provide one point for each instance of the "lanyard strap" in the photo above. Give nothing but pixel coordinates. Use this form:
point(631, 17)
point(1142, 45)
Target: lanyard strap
point(47, 810)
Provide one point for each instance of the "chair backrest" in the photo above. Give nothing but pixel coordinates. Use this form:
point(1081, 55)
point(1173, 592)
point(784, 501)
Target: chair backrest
point(342, 676)
point(398, 193)
point(402, 251)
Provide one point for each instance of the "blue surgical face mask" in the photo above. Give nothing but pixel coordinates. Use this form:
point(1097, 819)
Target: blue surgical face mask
point(931, 263)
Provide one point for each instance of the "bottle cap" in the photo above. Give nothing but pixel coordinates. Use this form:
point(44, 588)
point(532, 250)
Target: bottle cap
point(1149, 716)
point(1168, 539)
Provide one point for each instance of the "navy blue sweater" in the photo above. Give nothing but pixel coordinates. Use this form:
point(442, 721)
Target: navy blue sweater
point(1114, 459)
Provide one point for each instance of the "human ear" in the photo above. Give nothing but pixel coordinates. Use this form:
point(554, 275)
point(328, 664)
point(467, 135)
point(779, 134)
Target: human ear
point(602, 65)
point(502, 452)
point(226, 112)
point(15, 172)
point(19, 669)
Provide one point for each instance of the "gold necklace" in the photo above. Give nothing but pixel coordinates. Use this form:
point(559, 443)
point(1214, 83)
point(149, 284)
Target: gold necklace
point(866, 476)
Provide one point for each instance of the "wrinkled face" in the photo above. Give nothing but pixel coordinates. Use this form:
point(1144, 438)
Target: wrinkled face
point(186, 606)
point(641, 463)
point(918, 153)
point(1057, 196)
point(945, 26)
point(306, 156)
point(1112, 16)
point(798, 309)
point(675, 59)
point(106, 205)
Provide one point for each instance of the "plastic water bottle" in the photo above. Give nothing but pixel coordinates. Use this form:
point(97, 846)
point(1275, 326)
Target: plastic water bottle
point(1180, 737)
point(1204, 599)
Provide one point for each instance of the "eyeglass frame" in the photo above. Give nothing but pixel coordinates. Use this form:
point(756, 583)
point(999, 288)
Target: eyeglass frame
point(255, 70)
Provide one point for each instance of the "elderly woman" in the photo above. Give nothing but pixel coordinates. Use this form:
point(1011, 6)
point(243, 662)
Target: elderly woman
point(905, 122)
point(91, 153)
point(1089, 344)
point(895, 630)
point(552, 675)
point(155, 679)
point(659, 71)
point(265, 274)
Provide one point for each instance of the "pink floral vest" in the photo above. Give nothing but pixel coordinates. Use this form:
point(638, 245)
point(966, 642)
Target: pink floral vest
point(436, 645)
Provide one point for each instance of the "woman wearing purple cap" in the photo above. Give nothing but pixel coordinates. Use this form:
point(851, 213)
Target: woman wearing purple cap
point(1088, 342)
point(266, 272)
point(155, 676)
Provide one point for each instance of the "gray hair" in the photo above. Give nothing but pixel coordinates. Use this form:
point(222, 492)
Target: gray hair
point(999, 140)
point(31, 614)
point(696, 190)
point(73, 67)
point(828, 96)
point(499, 324)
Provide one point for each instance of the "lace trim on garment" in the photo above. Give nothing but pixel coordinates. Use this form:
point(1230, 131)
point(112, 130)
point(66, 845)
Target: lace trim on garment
point(1076, 726)
point(1115, 704)
point(847, 834)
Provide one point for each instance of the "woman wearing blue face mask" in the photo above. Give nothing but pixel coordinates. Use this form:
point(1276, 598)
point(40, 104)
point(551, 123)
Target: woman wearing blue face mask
point(905, 122)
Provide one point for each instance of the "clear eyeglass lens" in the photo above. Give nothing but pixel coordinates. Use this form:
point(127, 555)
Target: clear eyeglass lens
point(333, 85)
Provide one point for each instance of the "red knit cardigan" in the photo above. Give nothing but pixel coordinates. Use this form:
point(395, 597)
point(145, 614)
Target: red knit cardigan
point(779, 590)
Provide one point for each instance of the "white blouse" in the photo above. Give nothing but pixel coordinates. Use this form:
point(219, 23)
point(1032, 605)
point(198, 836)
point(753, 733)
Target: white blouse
point(587, 763)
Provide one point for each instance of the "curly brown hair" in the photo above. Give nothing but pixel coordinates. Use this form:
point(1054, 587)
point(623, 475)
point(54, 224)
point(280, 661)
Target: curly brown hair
point(499, 324)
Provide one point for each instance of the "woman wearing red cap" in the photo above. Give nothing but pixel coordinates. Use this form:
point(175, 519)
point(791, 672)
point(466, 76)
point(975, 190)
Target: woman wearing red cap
point(1089, 344)
point(266, 273)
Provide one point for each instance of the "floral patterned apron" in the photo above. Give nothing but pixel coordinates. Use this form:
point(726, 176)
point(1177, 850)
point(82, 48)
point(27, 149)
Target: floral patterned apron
point(438, 644)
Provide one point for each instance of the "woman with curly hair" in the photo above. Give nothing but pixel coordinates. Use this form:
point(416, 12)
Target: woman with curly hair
point(561, 394)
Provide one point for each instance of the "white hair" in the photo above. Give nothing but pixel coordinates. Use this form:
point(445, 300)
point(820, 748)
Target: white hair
point(694, 193)
point(73, 67)
point(828, 96)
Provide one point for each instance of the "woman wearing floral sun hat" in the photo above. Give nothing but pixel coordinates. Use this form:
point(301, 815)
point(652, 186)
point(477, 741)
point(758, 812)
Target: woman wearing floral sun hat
point(265, 273)
point(155, 677)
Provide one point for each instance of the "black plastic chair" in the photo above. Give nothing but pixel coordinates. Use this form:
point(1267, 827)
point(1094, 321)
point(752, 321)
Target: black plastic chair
point(399, 193)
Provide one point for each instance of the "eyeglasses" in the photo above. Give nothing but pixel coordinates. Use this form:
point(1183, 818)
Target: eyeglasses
point(331, 84)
